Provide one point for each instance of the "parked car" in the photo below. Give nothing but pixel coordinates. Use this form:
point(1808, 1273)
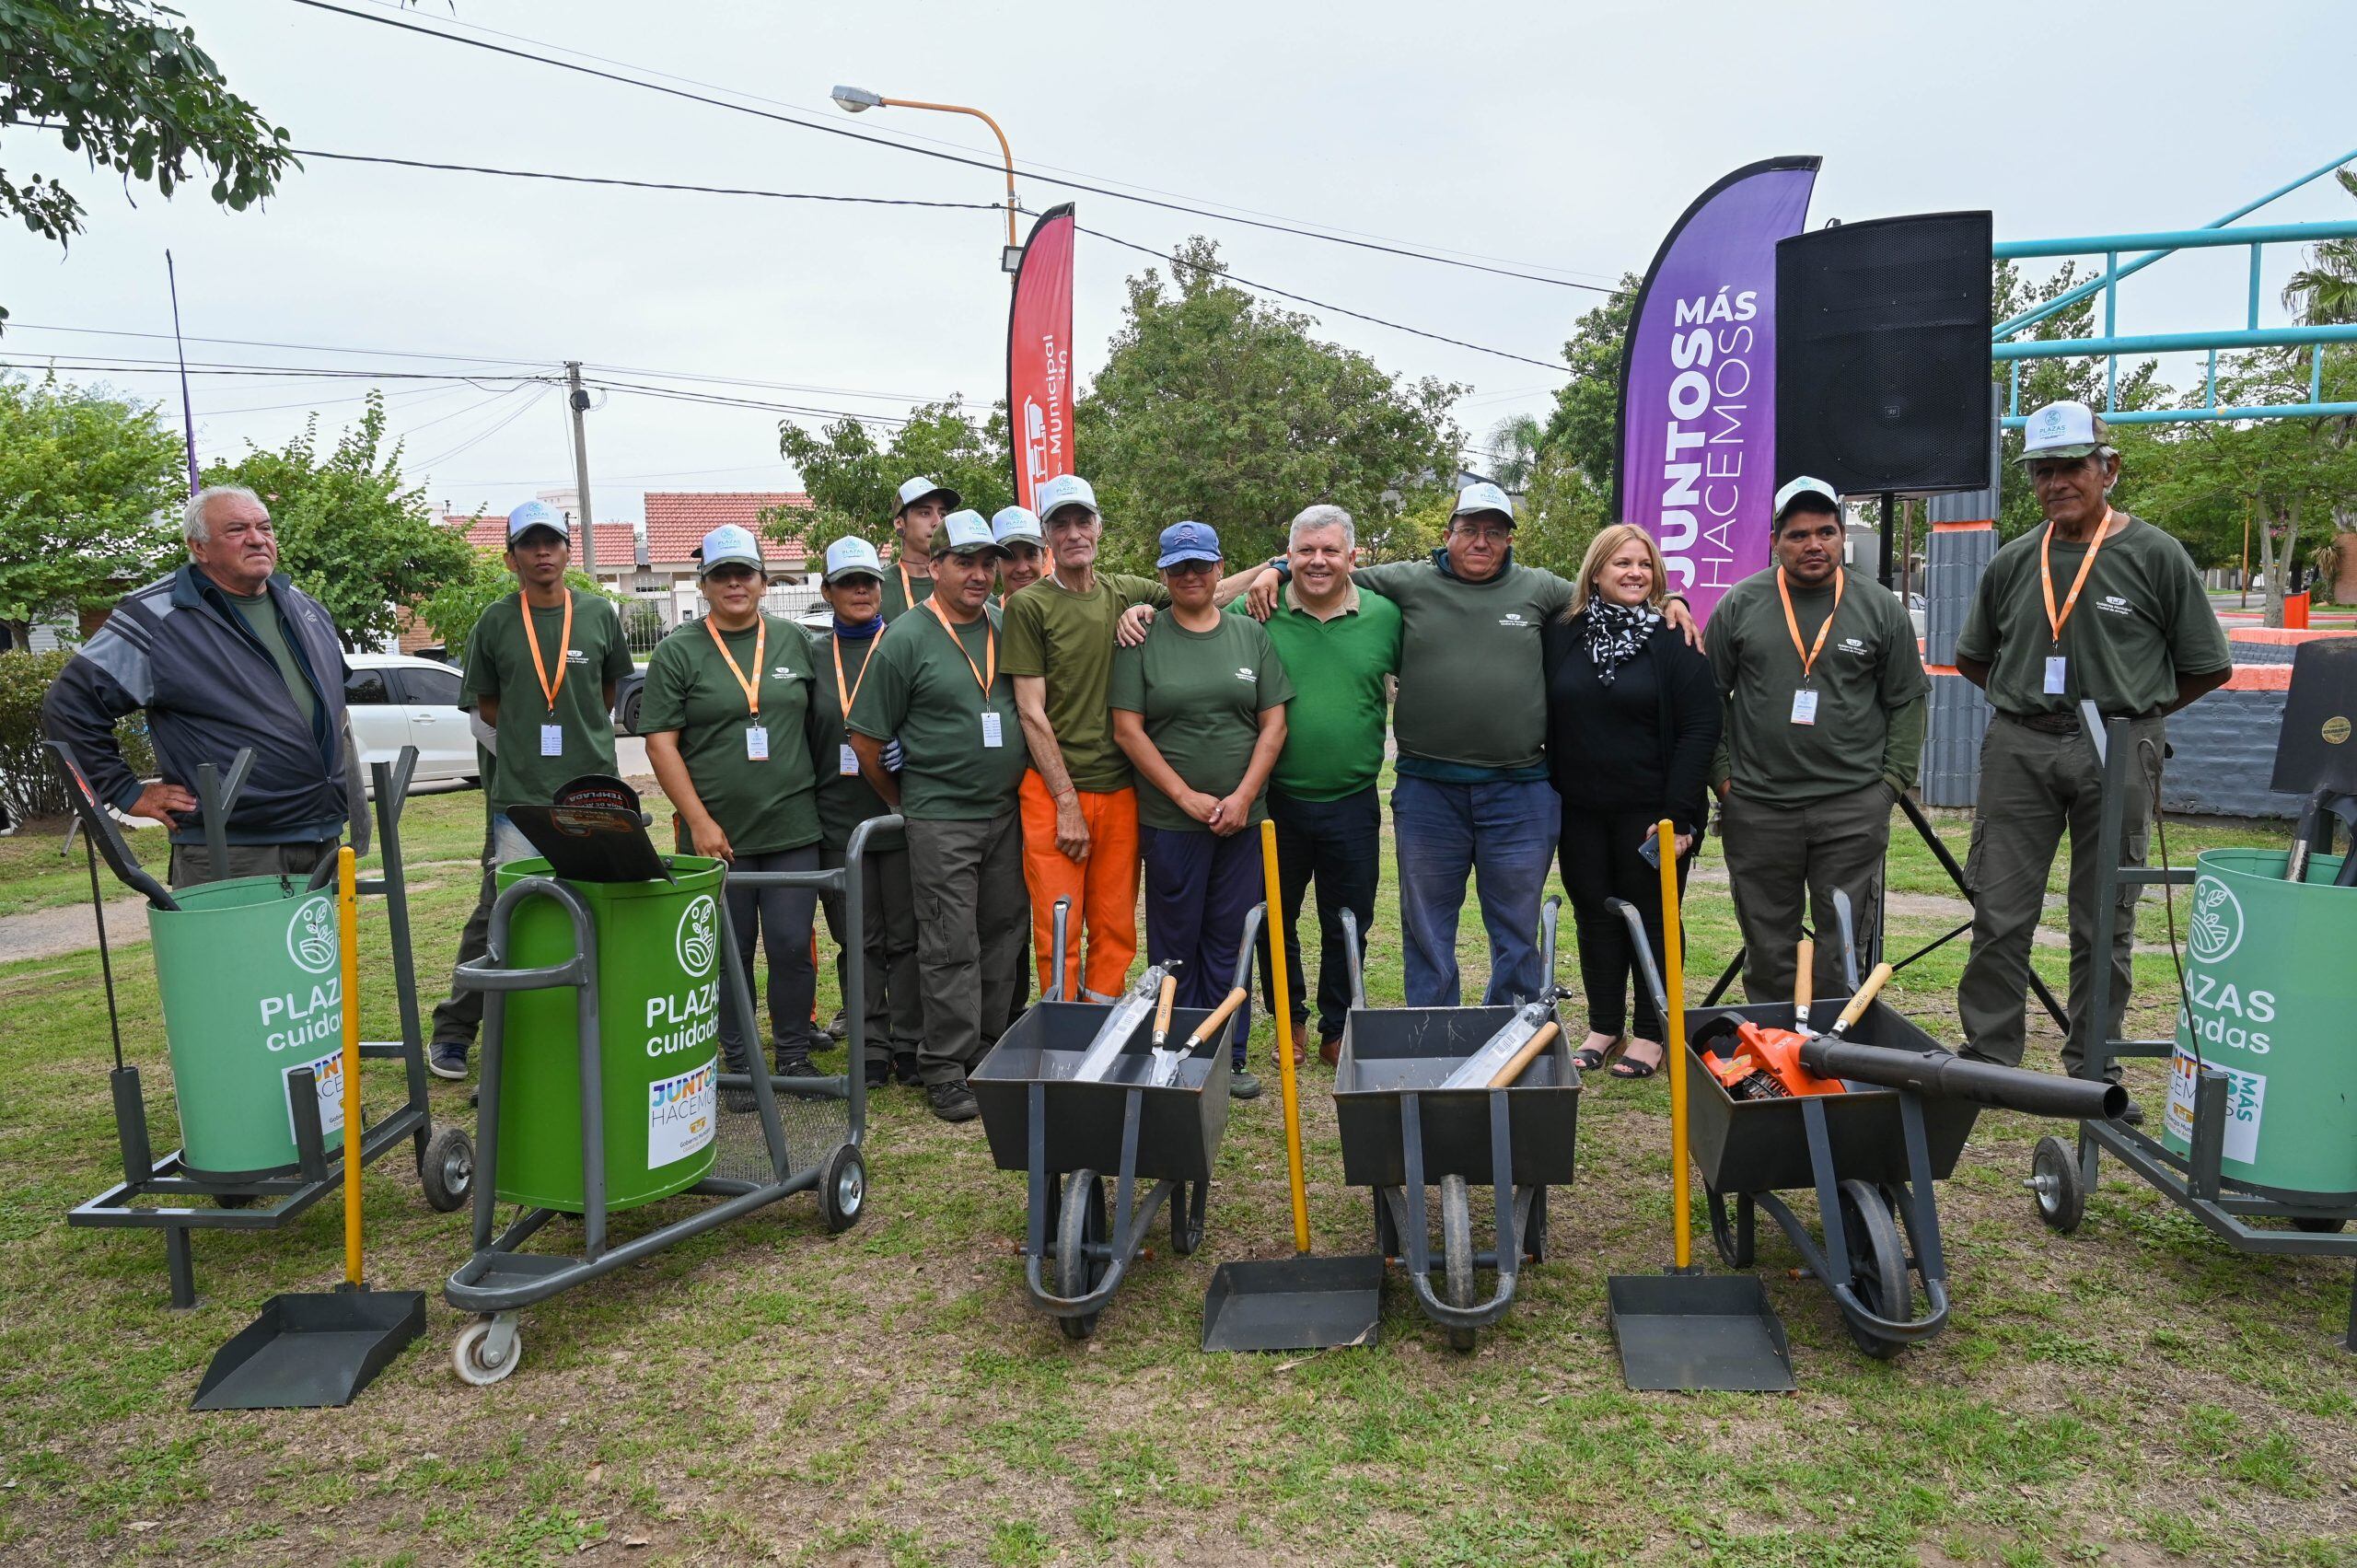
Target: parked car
point(627, 691)
point(396, 701)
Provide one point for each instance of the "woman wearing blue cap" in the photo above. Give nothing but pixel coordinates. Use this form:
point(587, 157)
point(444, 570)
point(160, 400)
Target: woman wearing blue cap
point(1199, 707)
point(728, 718)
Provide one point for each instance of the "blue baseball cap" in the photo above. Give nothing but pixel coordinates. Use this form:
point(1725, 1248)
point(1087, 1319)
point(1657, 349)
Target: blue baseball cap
point(731, 545)
point(1187, 541)
point(535, 514)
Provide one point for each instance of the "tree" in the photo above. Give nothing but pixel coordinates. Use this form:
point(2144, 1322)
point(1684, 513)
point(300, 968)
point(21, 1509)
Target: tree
point(88, 481)
point(123, 83)
point(454, 608)
point(351, 532)
point(2325, 291)
point(1216, 406)
point(854, 483)
point(1512, 453)
point(1583, 432)
point(2083, 380)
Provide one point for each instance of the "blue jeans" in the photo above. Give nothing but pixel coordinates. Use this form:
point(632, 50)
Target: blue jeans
point(1504, 834)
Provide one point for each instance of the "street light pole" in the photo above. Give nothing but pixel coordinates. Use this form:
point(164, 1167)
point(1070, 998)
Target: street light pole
point(856, 100)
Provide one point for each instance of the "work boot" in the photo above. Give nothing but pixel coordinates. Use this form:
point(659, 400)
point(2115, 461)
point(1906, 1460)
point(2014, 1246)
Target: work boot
point(839, 1028)
point(2135, 1115)
point(1329, 1051)
point(905, 1068)
point(953, 1102)
point(793, 1062)
point(877, 1075)
point(1242, 1085)
point(447, 1061)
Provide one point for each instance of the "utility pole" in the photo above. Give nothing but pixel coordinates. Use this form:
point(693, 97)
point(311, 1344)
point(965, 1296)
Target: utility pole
point(579, 399)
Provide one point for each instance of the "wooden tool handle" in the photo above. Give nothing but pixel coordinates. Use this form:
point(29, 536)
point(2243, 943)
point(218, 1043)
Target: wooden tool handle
point(1162, 1008)
point(1804, 980)
point(1220, 1014)
point(1526, 1056)
point(1865, 994)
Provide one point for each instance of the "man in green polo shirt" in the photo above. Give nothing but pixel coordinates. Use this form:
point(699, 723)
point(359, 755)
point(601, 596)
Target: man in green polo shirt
point(907, 581)
point(935, 685)
point(1823, 732)
point(541, 671)
point(1340, 647)
point(2096, 606)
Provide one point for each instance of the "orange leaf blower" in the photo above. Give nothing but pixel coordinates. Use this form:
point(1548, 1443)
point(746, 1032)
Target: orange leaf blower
point(1764, 1063)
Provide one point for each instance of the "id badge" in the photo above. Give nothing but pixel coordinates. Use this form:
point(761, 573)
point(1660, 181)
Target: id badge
point(2054, 675)
point(756, 743)
point(849, 764)
point(552, 740)
point(1805, 705)
point(990, 730)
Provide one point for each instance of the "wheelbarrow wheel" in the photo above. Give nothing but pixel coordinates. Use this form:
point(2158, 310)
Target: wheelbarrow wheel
point(474, 1368)
point(843, 1188)
point(1731, 1234)
point(1080, 1224)
point(1187, 1204)
point(1457, 1254)
point(2055, 1177)
point(1877, 1266)
point(447, 1169)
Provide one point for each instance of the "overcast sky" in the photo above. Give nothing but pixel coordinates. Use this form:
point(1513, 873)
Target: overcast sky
point(1555, 138)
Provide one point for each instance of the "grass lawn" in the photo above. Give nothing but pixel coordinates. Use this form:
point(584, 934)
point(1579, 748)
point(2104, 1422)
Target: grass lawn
point(2135, 1395)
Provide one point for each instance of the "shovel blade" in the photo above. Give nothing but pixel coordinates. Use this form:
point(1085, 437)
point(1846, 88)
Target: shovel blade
point(1293, 1304)
point(312, 1352)
point(1699, 1331)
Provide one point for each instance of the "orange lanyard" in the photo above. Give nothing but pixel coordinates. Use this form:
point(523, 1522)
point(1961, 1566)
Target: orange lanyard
point(908, 594)
point(1793, 624)
point(761, 642)
point(990, 651)
point(848, 696)
point(2046, 574)
point(564, 643)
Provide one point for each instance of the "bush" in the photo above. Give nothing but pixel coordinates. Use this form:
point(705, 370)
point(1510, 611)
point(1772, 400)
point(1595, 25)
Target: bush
point(28, 780)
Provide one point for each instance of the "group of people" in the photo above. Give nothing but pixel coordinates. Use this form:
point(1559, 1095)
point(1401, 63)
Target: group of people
point(1050, 731)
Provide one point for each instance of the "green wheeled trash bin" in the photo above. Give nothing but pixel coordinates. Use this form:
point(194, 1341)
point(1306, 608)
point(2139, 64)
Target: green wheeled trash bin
point(659, 976)
point(2267, 968)
point(248, 973)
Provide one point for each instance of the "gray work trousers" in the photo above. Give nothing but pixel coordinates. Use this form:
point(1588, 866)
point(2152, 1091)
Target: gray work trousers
point(971, 903)
point(192, 864)
point(894, 1022)
point(1783, 863)
point(778, 919)
point(2033, 786)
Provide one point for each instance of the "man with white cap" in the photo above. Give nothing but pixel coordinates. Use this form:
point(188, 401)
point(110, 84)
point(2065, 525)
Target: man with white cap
point(853, 589)
point(935, 685)
point(2100, 607)
point(908, 580)
point(1823, 732)
point(1473, 794)
point(1016, 529)
point(541, 671)
point(728, 714)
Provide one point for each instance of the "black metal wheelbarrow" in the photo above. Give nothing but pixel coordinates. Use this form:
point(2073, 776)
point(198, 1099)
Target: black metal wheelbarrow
point(1067, 1136)
point(1403, 1132)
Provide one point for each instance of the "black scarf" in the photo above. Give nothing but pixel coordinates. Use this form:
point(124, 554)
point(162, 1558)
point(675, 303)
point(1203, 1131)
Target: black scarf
point(1615, 632)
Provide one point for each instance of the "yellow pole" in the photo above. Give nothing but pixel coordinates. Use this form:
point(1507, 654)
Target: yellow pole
point(1268, 927)
point(347, 900)
point(1673, 970)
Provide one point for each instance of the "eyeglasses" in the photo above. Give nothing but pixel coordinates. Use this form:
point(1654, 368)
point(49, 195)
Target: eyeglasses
point(1192, 568)
point(1489, 535)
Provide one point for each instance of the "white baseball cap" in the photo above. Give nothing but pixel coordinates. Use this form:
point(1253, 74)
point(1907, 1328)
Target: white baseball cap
point(851, 556)
point(2064, 430)
point(535, 514)
point(1482, 497)
point(1065, 490)
point(731, 545)
point(964, 533)
point(1804, 485)
point(1017, 524)
point(917, 489)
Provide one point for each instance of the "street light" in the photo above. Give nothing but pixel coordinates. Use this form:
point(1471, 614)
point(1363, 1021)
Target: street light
point(858, 100)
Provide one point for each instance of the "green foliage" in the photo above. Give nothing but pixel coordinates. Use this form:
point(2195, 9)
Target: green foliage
point(28, 780)
point(87, 482)
point(453, 609)
point(854, 483)
point(123, 83)
point(1585, 430)
point(1512, 455)
point(351, 532)
point(2046, 381)
point(1216, 406)
point(2325, 291)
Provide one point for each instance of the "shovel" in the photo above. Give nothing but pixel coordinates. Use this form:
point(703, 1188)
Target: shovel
point(1298, 1302)
point(1682, 1329)
point(313, 1351)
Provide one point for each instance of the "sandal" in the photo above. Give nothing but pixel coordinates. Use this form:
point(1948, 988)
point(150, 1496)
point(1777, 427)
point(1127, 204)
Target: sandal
point(1629, 1067)
point(1588, 1058)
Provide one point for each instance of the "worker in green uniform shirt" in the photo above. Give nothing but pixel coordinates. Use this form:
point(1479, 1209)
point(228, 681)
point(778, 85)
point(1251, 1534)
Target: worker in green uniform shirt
point(541, 671)
point(853, 589)
point(2099, 607)
point(1823, 732)
point(908, 581)
point(729, 718)
point(1016, 529)
point(933, 684)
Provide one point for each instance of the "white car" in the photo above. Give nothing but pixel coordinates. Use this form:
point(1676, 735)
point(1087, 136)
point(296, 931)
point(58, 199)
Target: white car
point(397, 701)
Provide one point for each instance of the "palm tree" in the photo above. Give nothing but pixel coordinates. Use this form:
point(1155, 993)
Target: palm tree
point(1513, 450)
point(2324, 293)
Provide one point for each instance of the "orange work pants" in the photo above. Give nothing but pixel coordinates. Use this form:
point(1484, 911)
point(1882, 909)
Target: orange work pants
point(1103, 887)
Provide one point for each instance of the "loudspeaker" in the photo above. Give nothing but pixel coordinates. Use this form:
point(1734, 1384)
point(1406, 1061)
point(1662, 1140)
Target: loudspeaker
point(1882, 355)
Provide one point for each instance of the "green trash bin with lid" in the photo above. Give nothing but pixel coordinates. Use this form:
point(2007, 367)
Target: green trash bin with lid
point(2267, 1001)
point(659, 982)
point(249, 972)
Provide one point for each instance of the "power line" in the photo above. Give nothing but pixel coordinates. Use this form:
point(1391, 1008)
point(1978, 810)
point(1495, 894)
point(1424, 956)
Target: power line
point(680, 395)
point(648, 184)
point(945, 157)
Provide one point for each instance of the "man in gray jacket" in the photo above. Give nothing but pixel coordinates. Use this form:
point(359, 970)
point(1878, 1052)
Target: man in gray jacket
point(224, 655)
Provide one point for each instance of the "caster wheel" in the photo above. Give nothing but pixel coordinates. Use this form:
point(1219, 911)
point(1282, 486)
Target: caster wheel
point(2317, 1225)
point(470, 1354)
point(1456, 1255)
point(1187, 1205)
point(1877, 1265)
point(447, 1169)
point(235, 1199)
point(843, 1188)
point(2055, 1177)
point(1080, 1228)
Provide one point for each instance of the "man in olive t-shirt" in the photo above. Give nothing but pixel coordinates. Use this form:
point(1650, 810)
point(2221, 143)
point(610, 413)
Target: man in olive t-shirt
point(2093, 606)
point(907, 582)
